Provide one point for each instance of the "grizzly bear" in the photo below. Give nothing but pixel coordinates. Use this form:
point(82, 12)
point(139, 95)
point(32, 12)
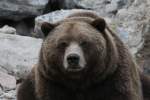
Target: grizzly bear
point(82, 59)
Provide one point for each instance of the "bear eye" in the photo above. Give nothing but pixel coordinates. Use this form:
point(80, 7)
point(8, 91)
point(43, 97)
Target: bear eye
point(85, 44)
point(62, 45)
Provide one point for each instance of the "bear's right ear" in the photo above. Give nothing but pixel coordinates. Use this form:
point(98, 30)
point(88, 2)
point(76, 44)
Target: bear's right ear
point(46, 28)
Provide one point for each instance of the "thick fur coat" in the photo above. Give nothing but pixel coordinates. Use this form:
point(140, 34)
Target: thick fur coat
point(110, 72)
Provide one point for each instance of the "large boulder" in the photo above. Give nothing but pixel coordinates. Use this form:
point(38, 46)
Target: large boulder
point(136, 21)
point(105, 7)
point(19, 9)
point(18, 54)
point(7, 86)
point(7, 81)
point(8, 30)
point(8, 95)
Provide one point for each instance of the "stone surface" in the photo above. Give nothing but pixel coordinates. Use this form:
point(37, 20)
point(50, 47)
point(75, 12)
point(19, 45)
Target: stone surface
point(8, 30)
point(105, 7)
point(1, 92)
point(136, 21)
point(18, 53)
point(8, 95)
point(19, 9)
point(7, 82)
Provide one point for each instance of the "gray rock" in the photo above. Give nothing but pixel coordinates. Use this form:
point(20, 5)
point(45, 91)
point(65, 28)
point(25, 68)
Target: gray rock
point(136, 21)
point(105, 7)
point(1, 92)
point(132, 21)
point(7, 82)
point(8, 30)
point(18, 53)
point(8, 95)
point(19, 9)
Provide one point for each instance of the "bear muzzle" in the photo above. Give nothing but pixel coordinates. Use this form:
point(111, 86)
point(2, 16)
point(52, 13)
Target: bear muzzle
point(74, 60)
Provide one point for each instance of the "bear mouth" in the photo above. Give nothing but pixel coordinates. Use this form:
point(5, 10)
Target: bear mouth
point(74, 72)
point(74, 69)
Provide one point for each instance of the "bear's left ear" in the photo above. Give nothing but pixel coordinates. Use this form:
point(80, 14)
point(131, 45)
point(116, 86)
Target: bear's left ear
point(99, 24)
point(46, 28)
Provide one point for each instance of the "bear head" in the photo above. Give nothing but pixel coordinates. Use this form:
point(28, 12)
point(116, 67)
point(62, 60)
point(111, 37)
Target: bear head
point(78, 49)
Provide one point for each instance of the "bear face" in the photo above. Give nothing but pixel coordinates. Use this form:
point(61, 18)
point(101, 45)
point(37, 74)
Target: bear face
point(71, 51)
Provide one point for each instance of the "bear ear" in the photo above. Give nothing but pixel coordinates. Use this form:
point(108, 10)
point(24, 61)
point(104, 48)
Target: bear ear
point(46, 28)
point(99, 24)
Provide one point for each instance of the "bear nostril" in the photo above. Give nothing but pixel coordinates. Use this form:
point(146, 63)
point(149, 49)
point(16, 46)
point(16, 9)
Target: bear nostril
point(73, 59)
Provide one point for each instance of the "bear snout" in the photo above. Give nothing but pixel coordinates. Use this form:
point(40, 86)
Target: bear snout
point(74, 59)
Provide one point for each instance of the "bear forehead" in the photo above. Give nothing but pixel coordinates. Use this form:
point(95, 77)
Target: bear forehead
point(75, 29)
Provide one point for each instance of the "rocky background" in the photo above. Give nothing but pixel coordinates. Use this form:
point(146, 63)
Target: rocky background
point(21, 37)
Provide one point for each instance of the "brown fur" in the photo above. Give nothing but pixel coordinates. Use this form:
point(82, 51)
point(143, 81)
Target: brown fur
point(110, 74)
point(146, 86)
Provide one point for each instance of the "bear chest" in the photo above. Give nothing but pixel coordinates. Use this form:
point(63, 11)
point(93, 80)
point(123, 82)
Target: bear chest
point(96, 93)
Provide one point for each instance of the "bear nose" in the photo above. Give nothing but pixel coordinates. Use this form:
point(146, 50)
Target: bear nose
point(73, 59)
